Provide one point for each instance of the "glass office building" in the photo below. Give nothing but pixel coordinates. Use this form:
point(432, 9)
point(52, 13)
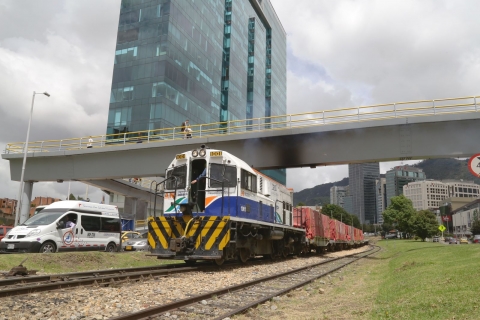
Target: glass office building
point(204, 60)
point(400, 176)
point(362, 179)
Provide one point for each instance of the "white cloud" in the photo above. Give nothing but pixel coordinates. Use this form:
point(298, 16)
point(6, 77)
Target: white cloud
point(65, 48)
point(341, 54)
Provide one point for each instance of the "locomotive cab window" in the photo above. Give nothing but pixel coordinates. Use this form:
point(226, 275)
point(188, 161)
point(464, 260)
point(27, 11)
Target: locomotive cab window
point(225, 173)
point(181, 173)
point(249, 181)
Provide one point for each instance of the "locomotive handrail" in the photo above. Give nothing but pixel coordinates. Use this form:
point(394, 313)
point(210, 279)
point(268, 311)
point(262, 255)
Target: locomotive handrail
point(155, 194)
point(223, 190)
point(278, 122)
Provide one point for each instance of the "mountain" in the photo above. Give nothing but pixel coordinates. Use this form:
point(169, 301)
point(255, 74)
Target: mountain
point(437, 169)
point(442, 169)
point(317, 195)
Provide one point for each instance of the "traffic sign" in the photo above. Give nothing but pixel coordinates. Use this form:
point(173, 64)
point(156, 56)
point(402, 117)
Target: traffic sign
point(442, 228)
point(474, 165)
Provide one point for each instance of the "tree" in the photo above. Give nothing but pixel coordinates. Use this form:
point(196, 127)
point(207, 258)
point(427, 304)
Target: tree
point(71, 197)
point(400, 213)
point(425, 224)
point(300, 204)
point(475, 229)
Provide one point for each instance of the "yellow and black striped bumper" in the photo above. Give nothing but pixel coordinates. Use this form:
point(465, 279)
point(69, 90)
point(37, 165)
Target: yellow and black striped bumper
point(206, 237)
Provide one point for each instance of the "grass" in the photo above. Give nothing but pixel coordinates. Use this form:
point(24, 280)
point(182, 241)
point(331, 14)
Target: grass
point(79, 261)
point(406, 280)
point(424, 280)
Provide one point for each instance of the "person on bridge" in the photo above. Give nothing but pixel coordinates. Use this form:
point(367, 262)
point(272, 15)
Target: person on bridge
point(90, 141)
point(186, 130)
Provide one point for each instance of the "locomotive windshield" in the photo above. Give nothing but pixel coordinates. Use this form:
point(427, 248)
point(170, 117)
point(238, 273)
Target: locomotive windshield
point(222, 172)
point(180, 173)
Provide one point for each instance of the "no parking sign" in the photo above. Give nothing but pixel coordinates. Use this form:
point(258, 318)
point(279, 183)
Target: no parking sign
point(474, 165)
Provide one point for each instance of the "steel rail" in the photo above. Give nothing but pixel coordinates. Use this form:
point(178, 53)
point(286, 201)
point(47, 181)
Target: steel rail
point(59, 283)
point(157, 310)
point(293, 287)
point(12, 280)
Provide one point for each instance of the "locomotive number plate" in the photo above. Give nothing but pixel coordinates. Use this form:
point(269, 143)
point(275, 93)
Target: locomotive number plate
point(180, 156)
point(215, 153)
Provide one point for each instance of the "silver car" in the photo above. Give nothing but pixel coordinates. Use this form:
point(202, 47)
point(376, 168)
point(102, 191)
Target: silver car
point(136, 243)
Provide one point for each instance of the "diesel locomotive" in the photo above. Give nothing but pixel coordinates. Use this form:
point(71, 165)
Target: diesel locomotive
point(217, 207)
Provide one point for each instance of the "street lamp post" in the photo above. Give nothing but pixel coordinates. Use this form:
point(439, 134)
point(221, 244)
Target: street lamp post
point(25, 150)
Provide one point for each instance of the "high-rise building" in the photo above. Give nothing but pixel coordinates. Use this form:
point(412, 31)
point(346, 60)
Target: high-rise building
point(381, 190)
point(399, 176)
point(205, 60)
point(363, 178)
point(337, 195)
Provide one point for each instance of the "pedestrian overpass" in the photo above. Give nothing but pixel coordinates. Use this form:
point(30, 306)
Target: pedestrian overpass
point(443, 128)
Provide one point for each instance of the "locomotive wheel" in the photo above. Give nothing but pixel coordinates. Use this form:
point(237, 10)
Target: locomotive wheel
point(243, 255)
point(219, 261)
point(190, 262)
point(285, 253)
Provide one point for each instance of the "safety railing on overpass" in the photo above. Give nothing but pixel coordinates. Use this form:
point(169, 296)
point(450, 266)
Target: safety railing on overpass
point(317, 118)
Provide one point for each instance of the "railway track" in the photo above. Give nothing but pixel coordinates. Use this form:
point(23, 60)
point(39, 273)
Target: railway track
point(33, 284)
point(232, 300)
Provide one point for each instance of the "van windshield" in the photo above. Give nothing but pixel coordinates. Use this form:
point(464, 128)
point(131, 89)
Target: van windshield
point(45, 217)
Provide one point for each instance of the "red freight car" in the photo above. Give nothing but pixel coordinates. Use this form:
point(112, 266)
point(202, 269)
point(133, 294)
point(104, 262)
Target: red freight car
point(316, 225)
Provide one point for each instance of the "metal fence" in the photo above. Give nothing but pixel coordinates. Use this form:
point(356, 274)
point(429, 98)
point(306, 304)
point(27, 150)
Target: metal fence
point(308, 119)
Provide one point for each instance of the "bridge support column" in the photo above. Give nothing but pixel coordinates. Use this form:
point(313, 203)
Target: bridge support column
point(25, 202)
point(134, 212)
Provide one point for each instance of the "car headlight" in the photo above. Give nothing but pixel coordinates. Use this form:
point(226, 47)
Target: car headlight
point(202, 152)
point(33, 233)
point(195, 153)
point(141, 243)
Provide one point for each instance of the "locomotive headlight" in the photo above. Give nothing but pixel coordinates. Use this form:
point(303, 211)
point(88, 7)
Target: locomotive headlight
point(195, 153)
point(203, 152)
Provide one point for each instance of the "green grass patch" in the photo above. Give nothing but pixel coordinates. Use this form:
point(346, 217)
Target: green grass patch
point(79, 261)
point(425, 280)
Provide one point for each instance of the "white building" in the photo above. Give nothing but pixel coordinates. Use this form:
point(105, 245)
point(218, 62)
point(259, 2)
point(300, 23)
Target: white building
point(463, 217)
point(337, 196)
point(429, 194)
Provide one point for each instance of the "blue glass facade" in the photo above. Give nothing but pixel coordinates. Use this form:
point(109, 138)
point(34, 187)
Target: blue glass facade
point(202, 60)
point(205, 60)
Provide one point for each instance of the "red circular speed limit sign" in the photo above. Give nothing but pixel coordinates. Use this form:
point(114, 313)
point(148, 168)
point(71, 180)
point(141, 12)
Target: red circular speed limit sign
point(474, 165)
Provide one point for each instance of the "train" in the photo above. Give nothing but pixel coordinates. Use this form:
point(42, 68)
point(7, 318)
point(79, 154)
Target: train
point(217, 207)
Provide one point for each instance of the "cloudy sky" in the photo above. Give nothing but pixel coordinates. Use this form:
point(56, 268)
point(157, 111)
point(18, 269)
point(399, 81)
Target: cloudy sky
point(340, 54)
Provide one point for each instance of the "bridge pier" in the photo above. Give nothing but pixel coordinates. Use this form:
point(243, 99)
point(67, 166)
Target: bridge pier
point(25, 200)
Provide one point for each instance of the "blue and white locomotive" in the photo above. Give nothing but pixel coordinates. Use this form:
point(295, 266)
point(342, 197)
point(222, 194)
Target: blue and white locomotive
point(231, 212)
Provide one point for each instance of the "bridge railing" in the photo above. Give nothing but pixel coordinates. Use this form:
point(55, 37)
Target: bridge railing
point(307, 119)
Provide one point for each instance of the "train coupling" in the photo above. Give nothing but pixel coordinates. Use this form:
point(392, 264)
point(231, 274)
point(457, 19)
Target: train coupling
point(178, 244)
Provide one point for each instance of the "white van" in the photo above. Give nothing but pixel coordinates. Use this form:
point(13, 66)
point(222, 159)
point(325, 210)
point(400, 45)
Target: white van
point(97, 227)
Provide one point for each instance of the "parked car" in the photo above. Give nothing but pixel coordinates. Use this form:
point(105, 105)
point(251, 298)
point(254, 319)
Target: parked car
point(447, 239)
point(135, 242)
point(452, 241)
point(436, 239)
point(4, 230)
point(476, 238)
point(130, 235)
point(463, 240)
point(391, 236)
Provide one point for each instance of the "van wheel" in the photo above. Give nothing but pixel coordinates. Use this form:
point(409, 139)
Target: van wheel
point(111, 247)
point(48, 247)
